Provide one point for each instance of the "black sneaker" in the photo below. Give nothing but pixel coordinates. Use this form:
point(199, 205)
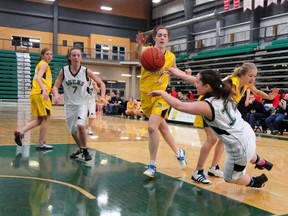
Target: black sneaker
point(76, 153)
point(18, 138)
point(86, 155)
point(259, 181)
point(267, 165)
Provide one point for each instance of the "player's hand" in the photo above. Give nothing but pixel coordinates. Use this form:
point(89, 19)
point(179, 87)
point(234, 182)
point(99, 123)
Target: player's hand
point(155, 93)
point(103, 101)
point(188, 71)
point(141, 38)
point(274, 93)
point(57, 99)
point(45, 94)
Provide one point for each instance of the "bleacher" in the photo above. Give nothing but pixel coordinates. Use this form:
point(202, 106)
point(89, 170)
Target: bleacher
point(8, 75)
point(278, 45)
point(226, 51)
point(271, 63)
point(9, 87)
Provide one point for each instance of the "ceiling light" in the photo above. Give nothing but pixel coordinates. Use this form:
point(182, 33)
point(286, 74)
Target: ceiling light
point(156, 1)
point(107, 8)
point(95, 72)
point(126, 75)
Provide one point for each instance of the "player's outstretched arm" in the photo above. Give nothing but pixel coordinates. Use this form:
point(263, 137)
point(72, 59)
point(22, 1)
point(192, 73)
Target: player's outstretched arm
point(196, 108)
point(181, 74)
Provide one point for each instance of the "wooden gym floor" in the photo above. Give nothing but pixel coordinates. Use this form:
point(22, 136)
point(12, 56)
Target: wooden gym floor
point(50, 183)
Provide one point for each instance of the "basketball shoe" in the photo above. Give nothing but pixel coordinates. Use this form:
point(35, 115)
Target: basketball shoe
point(89, 131)
point(43, 146)
point(199, 176)
point(86, 155)
point(18, 138)
point(259, 181)
point(267, 165)
point(215, 171)
point(181, 158)
point(150, 171)
point(76, 153)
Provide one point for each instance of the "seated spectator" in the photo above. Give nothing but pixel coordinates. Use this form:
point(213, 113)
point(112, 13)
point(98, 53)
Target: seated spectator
point(139, 111)
point(185, 97)
point(115, 105)
point(180, 95)
point(255, 111)
point(131, 107)
point(174, 92)
point(191, 96)
point(274, 120)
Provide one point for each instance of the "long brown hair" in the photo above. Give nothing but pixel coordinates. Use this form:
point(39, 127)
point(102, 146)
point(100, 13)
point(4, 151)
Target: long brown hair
point(43, 51)
point(220, 89)
point(69, 54)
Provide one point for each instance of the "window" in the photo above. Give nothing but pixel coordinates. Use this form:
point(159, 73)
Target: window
point(79, 45)
point(102, 51)
point(118, 53)
point(25, 42)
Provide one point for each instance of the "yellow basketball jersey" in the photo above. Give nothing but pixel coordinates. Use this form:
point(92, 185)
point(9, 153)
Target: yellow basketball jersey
point(131, 106)
point(154, 80)
point(239, 93)
point(46, 79)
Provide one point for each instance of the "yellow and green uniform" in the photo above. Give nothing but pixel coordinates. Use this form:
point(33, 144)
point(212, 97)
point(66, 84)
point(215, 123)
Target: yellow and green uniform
point(39, 106)
point(155, 81)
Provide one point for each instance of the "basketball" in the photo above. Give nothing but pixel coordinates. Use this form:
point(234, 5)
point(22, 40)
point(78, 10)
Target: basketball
point(152, 59)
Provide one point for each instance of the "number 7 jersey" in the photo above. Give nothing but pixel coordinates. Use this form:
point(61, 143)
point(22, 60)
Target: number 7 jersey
point(75, 86)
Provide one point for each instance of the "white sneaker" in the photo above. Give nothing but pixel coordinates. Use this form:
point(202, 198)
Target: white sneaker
point(40, 147)
point(199, 176)
point(215, 171)
point(90, 132)
point(150, 171)
point(181, 159)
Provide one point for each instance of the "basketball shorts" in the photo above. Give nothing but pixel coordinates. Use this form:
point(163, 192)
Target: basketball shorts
point(75, 115)
point(39, 106)
point(92, 109)
point(239, 154)
point(154, 105)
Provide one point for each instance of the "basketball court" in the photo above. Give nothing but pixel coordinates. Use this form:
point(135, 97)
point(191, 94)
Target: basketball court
point(50, 183)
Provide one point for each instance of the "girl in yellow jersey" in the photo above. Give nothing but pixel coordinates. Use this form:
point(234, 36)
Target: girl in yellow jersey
point(156, 109)
point(242, 79)
point(41, 105)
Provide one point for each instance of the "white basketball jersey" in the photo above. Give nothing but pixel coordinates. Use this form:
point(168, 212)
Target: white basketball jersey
point(75, 86)
point(227, 122)
point(92, 92)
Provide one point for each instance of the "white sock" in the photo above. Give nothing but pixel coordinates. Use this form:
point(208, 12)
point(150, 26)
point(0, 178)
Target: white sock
point(152, 162)
point(178, 153)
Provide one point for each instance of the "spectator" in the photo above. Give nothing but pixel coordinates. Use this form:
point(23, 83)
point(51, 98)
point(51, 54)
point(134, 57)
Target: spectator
point(131, 106)
point(256, 111)
point(274, 120)
point(174, 92)
point(116, 105)
point(191, 96)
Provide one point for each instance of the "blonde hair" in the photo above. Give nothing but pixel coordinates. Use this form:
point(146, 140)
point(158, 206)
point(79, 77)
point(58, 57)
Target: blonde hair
point(244, 69)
